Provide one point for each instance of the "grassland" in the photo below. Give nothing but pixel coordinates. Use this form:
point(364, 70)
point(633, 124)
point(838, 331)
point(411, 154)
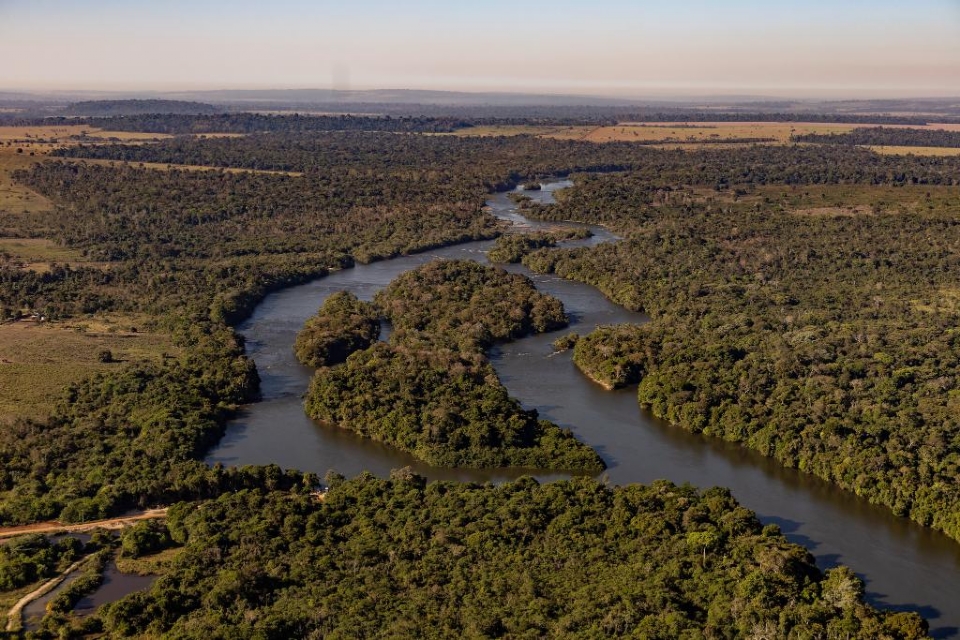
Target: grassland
point(15, 198)
point(38, 360)
point(39, 254)
point(916, 151)
point(697, 134)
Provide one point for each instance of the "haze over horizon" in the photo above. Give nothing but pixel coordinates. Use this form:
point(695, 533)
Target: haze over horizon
point(814, 49)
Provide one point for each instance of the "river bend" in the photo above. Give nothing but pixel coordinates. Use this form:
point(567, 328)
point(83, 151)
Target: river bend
point(905, 566)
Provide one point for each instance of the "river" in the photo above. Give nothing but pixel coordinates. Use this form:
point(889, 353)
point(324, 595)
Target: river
point(905, 566)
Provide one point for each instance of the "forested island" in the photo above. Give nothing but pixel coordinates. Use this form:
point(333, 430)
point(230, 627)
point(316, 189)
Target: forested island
point(430, 390)
point(803, 300)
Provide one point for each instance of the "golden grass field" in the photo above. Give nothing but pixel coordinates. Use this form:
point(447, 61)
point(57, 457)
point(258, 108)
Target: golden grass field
point(916, 151)
point(39, 360)
point(693, 135)
point(38, 254)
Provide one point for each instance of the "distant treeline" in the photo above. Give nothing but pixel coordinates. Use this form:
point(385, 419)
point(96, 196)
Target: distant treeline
point(886, 136)
point(179, 124)
point(499, 162)
point(182, 120)
point(106, 108)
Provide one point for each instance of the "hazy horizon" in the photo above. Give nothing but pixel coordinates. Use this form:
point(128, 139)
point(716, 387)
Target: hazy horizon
point(638, 50)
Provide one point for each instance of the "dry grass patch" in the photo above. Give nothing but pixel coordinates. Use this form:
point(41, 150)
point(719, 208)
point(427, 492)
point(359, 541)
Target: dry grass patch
point(848, 211)
point(915, 151)
point(156, 564)
point(707, 132)
point(486, 131)
point(38, 254)
point(39, 360)
point(943, 300)
point(14, 197)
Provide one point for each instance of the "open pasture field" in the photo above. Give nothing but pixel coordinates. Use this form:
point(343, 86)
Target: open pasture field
point(39, 360)
point(691, 135)
point(916, 151)
point(15, 198)
point(38, 254)
point(41, 139)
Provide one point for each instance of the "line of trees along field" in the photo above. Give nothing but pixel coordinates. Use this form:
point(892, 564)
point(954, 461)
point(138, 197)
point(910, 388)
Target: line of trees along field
point(887, 136)
point(803, 302)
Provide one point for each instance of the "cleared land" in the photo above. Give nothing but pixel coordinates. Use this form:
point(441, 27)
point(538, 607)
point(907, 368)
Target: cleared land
point(39, 360)
point(916, 151)
point(697, 134)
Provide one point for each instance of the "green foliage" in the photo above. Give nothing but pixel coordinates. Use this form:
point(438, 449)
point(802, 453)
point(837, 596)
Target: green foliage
point(400, 558)
point(144, 538)
point(443, 406)
point(343, 325)
point(431, 391)
point(886, 136)
point(567, 342)
point(611, 356)
point(459, 302)
point(511, 248)
point(29, 558)
point(825, 340)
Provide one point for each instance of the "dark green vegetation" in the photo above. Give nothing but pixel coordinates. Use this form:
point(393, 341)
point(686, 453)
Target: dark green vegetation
point(182, 124)
point(804, 303)
point(431, 392)
point(388, 163)
point(813, 324)
point(887, 136)
point(455, 303)
point(341, 326)
point(396, 558)
point(611, 356)
point(104, 108)
point(30, 558)
point(196, 250)
point(510, 248)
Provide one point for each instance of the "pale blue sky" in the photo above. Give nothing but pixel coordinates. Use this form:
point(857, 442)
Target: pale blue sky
point(844, 48)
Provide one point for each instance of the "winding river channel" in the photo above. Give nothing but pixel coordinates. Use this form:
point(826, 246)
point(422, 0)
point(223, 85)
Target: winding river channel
point(905, 566)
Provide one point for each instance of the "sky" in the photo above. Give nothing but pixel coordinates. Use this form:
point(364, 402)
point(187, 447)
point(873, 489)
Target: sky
point(788, 48)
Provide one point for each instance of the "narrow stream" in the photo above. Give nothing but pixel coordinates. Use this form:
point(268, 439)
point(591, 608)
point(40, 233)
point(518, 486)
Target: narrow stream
point(905, 566)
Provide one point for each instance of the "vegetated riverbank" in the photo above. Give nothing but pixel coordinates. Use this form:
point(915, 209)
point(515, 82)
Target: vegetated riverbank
point(228, 274)
point(826, 345)
point(906, 566)
point(574, 557)
point(430, 390)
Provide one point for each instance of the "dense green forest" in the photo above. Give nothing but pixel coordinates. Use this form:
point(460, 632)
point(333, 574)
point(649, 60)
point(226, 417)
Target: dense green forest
point(195, 250)
point(511, 247)
point(431, 391)
point(887, 136)
point(157, 121)
point(803, 303)
point(497, 162)
point(400, 558)
point(815, 325)
point(342, 325)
